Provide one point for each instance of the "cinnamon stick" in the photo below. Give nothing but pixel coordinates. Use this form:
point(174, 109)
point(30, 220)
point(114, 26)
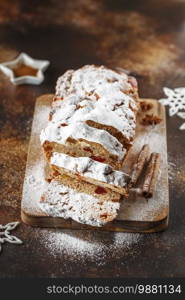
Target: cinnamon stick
point(136, 191)
point(151, 175)
point(138, 166)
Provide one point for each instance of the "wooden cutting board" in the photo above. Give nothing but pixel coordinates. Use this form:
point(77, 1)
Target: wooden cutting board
point(136, 214)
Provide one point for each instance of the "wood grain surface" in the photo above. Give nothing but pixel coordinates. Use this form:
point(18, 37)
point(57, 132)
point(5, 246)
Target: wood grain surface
point(136, 213)
point(146, 37)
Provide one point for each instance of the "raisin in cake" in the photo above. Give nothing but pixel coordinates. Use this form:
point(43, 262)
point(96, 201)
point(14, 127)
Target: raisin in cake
point(93, 114)
point(82, 202)
point(89, 170)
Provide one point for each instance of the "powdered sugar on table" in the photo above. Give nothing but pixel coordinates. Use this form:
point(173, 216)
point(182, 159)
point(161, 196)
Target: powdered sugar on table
point(80, 246)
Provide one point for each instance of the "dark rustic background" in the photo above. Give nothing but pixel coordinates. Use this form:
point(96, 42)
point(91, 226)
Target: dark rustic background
point(144, 36)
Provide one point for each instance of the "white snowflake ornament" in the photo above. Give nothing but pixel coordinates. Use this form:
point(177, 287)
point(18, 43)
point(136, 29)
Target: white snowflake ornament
point(175, 100)
point(5, 235)
point(182, 115)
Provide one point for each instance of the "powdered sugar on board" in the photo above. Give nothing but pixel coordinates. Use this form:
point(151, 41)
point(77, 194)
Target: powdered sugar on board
point(138, 208)
point(36, 172)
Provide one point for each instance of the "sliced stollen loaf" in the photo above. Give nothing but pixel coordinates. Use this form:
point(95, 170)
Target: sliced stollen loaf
point(93, 115)
point(84, 168)
point(80, 201)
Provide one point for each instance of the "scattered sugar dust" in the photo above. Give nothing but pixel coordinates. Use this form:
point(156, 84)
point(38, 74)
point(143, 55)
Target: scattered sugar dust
point(92, 245)
point(176, 174)
point(171, 171)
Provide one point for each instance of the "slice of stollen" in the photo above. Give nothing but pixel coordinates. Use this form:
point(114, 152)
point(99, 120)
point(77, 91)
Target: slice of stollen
point(115, 117)
point(91, 171)
point(80, 201)
point(79, 139)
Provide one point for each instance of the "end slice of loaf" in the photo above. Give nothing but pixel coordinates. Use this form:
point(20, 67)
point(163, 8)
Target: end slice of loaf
point(84, 168)
point(91, 79)
point(80, 201)
point(109, 97)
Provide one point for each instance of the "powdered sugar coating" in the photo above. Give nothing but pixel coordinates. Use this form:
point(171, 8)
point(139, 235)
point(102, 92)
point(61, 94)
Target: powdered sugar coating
point(102, 91)
point(64, 83)
point(123, 120)
point(87, 167)
point(95, 94)
point(62, 201)
point(90, 78)
point(54, 132)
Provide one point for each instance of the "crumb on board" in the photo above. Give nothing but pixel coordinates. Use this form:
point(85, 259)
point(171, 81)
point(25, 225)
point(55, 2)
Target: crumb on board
point(150, 120)
point(145, 106)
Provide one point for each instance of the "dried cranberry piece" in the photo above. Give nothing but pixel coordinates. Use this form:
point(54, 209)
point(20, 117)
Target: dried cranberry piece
point(100, 190)
point(97, 96)
point(98, 158)
point(63, 124)
point(87, 149)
